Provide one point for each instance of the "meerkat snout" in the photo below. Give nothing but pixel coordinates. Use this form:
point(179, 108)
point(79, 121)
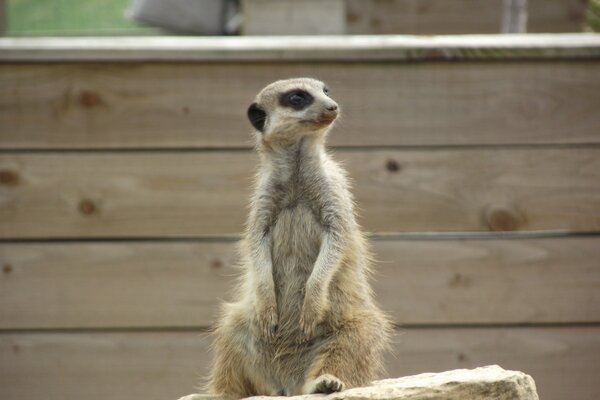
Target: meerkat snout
point(292, 108)
point(328, 115)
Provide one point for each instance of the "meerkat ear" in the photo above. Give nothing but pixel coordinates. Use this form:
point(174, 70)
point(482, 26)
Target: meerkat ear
point(257, 116)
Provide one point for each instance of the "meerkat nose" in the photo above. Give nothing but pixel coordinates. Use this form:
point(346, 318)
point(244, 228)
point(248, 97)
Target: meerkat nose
point(333, 107)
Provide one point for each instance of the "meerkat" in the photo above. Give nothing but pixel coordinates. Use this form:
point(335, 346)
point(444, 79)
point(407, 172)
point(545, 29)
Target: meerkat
point(304, 320)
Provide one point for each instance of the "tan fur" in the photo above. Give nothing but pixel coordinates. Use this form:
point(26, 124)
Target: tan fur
point(304, 320)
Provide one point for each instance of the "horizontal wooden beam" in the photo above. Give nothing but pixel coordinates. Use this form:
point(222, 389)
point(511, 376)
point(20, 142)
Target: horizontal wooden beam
point(137, 194)
point(85, 106)
point(302, 48)
point(167, 365)
point(181, 284)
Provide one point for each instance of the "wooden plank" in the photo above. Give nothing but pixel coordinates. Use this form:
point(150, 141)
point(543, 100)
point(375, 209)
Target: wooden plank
point(148, 194)
point(301, 48)
point(74, 285)
point(489, 281)
point(561, 360)
point(181, 284)
point(430, 17)
point(166, 106)
point(556, 15)
point(423, 17)
point(293, 17)
point(101, 366)
point(165, 365)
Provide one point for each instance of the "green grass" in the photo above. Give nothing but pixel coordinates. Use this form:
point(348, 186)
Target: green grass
point(592, 17)
point(70, 17)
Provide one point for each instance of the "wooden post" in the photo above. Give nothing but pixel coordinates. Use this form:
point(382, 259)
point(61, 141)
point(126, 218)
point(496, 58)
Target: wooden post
point(514, 16)
point(293, 17)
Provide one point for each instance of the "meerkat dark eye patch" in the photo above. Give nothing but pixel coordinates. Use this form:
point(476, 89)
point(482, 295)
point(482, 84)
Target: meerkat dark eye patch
point(297, 99)
point(257, 116)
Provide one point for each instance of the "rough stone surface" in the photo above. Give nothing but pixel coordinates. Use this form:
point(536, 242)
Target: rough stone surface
point(491, 382)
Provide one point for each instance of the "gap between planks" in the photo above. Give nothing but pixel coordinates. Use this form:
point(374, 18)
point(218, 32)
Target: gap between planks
point(380, 236)
point(201, 330)
point(249, 149)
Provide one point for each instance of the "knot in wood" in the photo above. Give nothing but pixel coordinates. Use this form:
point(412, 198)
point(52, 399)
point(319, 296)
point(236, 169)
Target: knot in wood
point(87, 207)
point(89, 99)
point(392, 165)
point(9, 177)
point(459, 280)
point(502, 220)
point(7, 269)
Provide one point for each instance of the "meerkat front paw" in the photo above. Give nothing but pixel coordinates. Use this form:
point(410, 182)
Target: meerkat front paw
point(310, 316)
point(325, 383)
point(267, 320)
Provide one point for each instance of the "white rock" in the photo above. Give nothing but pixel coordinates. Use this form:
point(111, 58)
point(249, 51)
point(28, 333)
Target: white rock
point(490, 382)
point(199, 397)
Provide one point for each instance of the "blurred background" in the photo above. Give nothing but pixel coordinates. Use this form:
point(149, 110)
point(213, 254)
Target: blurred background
point(364, 17)
point(126, 162)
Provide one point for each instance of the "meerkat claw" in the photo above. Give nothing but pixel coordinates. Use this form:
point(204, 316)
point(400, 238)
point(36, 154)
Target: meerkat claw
point(326, 384)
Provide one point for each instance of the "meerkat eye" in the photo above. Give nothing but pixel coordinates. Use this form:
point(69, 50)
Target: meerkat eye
point(326, 91)
point(296, 99)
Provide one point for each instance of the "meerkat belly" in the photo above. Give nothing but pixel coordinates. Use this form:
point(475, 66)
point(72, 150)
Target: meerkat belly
point(296, 243)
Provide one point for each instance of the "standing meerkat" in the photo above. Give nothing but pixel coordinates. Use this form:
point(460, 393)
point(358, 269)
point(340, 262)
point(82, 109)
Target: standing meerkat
point(304, 320)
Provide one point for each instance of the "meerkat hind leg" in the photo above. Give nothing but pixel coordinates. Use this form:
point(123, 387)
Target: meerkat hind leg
point(325, 383)
point(231, 375)
point(351, 357)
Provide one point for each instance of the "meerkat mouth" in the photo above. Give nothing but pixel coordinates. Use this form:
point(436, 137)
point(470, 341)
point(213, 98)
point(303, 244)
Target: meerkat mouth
point(326, 117)
point(321, 121)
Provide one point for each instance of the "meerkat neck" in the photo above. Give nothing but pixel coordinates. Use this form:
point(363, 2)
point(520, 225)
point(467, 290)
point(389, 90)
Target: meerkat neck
point(286, 159)
point(307, 147)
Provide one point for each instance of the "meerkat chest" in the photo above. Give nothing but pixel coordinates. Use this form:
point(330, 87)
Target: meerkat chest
point(296, 243)
point(296, 237)
point(297, 228)
point(297, 231)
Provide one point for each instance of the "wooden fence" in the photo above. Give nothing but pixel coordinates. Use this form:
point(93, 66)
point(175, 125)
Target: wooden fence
point(420, 17)
point(125, 168)
point(427, 17)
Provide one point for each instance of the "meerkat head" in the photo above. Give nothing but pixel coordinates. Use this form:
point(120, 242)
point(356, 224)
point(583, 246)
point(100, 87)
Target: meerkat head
point(287, 110)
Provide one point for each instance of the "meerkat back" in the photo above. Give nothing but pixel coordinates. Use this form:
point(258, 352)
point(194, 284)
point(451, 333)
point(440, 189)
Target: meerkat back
point(304, 320)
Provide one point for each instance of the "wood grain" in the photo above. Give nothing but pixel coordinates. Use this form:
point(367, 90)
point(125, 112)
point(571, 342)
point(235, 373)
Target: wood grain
point(298, 17)
point(167, 365)
point(489, 281)
point(423, 17)
point(556, 15)
point(186, 105)
point(561, 360)
point(114, 285)
point(181, 284)
point(430, 17)
point(57, 195)
point(164, 365)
